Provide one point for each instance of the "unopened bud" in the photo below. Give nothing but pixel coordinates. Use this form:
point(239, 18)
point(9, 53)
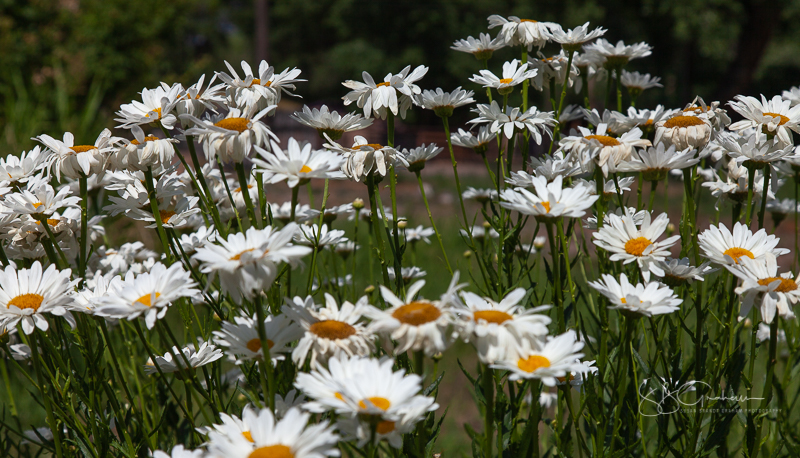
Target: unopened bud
point(358, 204)
point(748, 323)
point(486, 225)
point(369, 289)
point(468, 254)
point(402, 224)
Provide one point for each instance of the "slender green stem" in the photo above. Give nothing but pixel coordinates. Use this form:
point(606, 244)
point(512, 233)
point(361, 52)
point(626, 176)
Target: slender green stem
point(764, 194)
point(150, 184)
point(51, 419)
point(557, 288)
point(251, 213)
point(84, 225)
point(377, 227)
point(433, 224)
point(751, 175)
point(3, 257)
point(653, 186)
point(266, 363)
point(487, 386)
point(618, 84)
point(767, 396)
point(566, 82)
point(455, 174)
point(565, 252)
point(63, 258)
point(7, 382)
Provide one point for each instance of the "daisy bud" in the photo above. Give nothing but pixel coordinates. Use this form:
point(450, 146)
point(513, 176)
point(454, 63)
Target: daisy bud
point(670, 229)
point(468, 254)
point(486, 225)
point(358, 204)
point(444, 111)
point(369, 289)
point(402, 224)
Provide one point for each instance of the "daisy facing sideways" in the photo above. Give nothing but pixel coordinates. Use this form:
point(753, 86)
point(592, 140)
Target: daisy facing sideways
point(546, 361)
point(550, 201)
point(242, 342)
point(637, 300)
point(204, 354)
point(723, 247)
point(777, 293)
point(27, 294)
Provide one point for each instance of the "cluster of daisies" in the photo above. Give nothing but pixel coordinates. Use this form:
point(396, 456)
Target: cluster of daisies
point(228, 250)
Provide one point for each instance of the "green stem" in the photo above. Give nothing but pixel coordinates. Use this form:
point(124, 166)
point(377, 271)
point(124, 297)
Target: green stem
point(653, 186)
point(564, 86)
point(773, 346)
point(455, 174)
point(84, 225)
point(751, 176)
point(487, 386)
point(565, 252)
point(150, 184)
point(557, 288)
point(7, 381)
point(433, 224)
point(251, 213)
point(51, 420)
point(266, 363)
point(377, 227)
point(764, 194)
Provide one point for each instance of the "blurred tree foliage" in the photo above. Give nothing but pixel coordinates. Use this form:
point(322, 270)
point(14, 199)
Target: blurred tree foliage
point(68, 64)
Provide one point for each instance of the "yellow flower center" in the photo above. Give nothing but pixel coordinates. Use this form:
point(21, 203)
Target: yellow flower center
point(272, 451)
point(305, 169)
point(157, 111)
point(37, 205)
point(683, 121)
point(50, 221)
point(239, 189)
point(492, 316)
point(737, 253)
point(332, 329)
point(239, 256)
point(26, 301)
point(546, 205)
point(623, 300)
point(375, 146)
point(385, 83)
point(532, 363)
point(255, 344)
point(147, 298)
point(237, 124)
point(787, 284)
point(506, 81)
point(604, 140)
point(257, 81)
point(381, 403)
point(649, 122)
point(783, 119)
point(248, 436)
point(385, 427)
point(696, 109)
point(527, 20)
point(166, 215)
point(637, 246)
point(417, 313)
point(149, 138)
point(82, 148)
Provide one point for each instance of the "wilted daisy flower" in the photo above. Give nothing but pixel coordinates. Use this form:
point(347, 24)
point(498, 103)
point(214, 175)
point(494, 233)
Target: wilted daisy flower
point(717, 116)
point(637, 82)
point(417, 157)
point(774, 117)
point(232, 136)
point(27, 294)
point(331, 123)
point(416, 324)
point(73, 160)
point(261, 90)
point(608, 152)
point(268, 438)
point(482, 48)
point(495, 327)
point(574, 39)
point(514, 120)
point(551, 166)
point(247, 263)
point(419, 233)
point(156, 107)
point(19, 169)
point(734, 187)
point(617, 56)
point(480, 195)
point(656, 162)
point(149, 294)
point(178, 452)
point(722, 247)
point(550, 201)
point(521, 32)
point(407, 273)
point(637, 300)
point(242, 342)
point(554, 359)
point(297, 165)
point(330, 331)
point(680, 271)
point(365, 158)
point(514, 73)
point(312, 236)
point(39, 200)
point(628, 243)
point(384, 96)
point(761, 281)
point(477, 142)
point(755, 149)
point(204, 354)
point(143, 152)
point(192, 241)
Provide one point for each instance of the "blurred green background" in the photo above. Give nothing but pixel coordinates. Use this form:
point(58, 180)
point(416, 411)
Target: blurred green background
point(68, 64)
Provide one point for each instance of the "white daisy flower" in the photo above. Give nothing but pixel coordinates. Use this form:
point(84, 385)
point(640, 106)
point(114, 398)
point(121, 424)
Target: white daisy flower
point(314, 237)
point(156, 107)
point(574, 39)
point(330, 331)
point(143, 152)
point(19, 169)
point(644, 119)
point(553, 67)
point(205, 354)
point(680, 271)
point(416, 324)
point(27, 294)
point(174, 217)
point(39, 200)
point(774, 117)
point(494, 328)
point(332, 213)
point(192, 241)
point(98, 286)
point(755, 149)
point(330, 122)
point(258, 91)
point(514, 73)
point(73, 160)
point(657, 161)
point(291, 437)
point(628, 242)
point(763, 331)
point(178, 452)
point(119, 260)
point(481, 195)
point(778, 293)
point(419, 233)
point(232, 136)
point(479, 232)
point(547, 362)
point(417, 157)
point(637, 82)
point(717, 116)
point(242, 342)
point(477, 142)
point(647, 299)
point(514, 120)
point(734, 187)
point(247, 263)
point(359, 428)
point(297, 164)
point(292, 400)
point(551, 166)
point(609, 187)
point(610, 118)
point(394, 93)
point(407, 273)
point(617, 56)
point(197, 100)
point(550, 200)
point(587, 147)
point(723, 247)
point(365, 158)
point(781, 208)
point(792, 96)
point(443, 103)
point(149, 294)
point(482, 48)
point(521, 32)
point(283, 212)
